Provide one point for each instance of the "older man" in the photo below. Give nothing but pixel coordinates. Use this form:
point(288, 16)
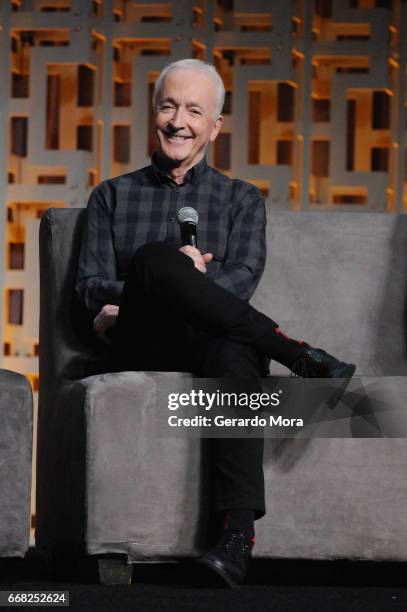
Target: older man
point(164, 306)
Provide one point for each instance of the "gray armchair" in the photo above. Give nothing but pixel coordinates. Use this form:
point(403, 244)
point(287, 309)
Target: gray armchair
point(107, 484)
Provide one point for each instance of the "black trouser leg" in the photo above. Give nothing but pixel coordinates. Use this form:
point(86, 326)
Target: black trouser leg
point(165, 282)
point(237, 462)
point(165, 304)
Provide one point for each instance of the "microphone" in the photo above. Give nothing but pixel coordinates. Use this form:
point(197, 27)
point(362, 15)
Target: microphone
point(188, 217)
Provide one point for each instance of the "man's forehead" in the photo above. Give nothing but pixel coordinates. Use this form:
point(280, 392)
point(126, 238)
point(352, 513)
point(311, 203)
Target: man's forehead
point(189, 88)
point(189, 79)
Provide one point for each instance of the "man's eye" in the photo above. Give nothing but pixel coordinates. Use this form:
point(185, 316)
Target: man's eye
point(195, 111)
point(165, 107)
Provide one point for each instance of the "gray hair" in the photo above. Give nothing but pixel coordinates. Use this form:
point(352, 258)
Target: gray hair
point(196, 65)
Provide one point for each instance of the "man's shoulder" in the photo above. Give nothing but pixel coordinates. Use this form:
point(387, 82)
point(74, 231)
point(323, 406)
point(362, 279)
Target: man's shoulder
point(117, 189)
point(238, 187)
point(136, 177)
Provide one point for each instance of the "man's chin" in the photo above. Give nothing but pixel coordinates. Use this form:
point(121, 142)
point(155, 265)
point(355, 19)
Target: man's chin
point(172, 158)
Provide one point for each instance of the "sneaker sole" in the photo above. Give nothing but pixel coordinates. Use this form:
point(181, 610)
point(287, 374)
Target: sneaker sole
point(219, 570)
point(345, 374)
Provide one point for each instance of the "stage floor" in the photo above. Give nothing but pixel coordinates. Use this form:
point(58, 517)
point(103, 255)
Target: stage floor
point(292, 586)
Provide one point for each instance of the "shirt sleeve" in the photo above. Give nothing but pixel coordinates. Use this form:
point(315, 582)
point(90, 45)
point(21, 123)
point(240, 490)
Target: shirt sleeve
point(245, 258)
point(96, 282)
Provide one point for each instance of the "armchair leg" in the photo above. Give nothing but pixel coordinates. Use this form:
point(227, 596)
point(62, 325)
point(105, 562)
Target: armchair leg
point(115, 571)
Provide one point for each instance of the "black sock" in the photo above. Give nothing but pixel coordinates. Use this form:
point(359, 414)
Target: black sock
point(241, 520)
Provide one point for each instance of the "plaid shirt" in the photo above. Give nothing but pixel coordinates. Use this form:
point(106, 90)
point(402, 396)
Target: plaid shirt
point(132, 209)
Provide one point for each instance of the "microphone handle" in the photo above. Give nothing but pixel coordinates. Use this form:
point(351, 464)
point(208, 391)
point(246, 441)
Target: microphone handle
point(188, 234)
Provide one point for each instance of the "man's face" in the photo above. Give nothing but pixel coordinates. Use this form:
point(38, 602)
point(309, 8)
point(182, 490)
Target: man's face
point(185, 118)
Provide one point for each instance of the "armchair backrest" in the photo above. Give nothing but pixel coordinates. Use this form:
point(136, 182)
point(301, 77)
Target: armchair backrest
point(336, 279)
point(68, 349)
point(339, 280)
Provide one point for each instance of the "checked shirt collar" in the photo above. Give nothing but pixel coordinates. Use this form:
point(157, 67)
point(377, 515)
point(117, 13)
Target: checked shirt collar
point(193, 175)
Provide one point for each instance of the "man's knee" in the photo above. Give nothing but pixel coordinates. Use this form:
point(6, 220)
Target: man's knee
point(153, 259)
point(150, 251)
point(156, 251)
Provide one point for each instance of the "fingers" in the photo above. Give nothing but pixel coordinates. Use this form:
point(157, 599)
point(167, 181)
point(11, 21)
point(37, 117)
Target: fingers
point(97, 323)
point(191, 251)
point(197, 257)
point(105, 319)
point(200, 267)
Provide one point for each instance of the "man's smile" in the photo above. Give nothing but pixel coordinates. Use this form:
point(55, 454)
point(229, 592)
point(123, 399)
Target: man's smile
point(176, 141)
point(176, 137)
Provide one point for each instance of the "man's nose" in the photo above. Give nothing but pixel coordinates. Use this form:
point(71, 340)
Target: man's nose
point(178, 118)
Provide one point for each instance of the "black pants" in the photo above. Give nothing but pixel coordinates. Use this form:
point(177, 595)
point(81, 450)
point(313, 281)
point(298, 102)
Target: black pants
point(173, 318)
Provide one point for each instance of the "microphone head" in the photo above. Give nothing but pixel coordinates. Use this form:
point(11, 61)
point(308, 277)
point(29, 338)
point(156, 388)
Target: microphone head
point(187, 214)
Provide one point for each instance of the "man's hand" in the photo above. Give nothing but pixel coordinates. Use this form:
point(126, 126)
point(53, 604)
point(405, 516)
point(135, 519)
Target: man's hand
point(104, 320)
point(200, 260)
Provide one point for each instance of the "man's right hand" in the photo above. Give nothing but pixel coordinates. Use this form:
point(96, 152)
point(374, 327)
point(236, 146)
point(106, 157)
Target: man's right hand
point(200, 260)
point(104, 320)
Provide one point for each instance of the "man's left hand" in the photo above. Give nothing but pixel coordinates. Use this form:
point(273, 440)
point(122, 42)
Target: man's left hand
point(104, 320)
point(200, 260)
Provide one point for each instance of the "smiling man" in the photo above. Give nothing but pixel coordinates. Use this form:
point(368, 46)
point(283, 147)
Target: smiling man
point(168, 307)
point(187, 118)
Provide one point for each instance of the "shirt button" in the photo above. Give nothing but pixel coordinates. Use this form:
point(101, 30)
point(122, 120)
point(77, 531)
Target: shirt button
point(172, 219)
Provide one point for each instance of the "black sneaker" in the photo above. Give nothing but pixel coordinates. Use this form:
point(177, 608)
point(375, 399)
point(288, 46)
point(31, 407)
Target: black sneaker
point(230, 558)
point(317, 363)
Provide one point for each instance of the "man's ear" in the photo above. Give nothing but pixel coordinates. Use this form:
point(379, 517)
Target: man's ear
point(216, 128)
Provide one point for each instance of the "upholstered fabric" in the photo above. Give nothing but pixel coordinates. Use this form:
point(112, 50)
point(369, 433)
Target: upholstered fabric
point(339, 280)
point(107, 480)
point(335, 498)
point(16, 417)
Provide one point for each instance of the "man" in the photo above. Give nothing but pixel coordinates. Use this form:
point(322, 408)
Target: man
point(165, 306)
